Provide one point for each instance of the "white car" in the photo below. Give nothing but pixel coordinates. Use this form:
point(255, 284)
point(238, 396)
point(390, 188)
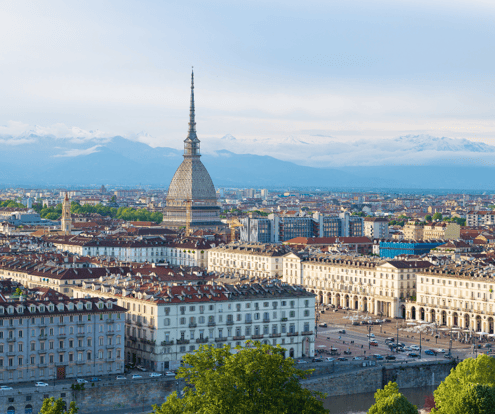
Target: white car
point(155, 374)
point(169, 374)
point(41, 384)
point(357, 359)
point(370, 335)
point(140, 368)
point(440, 351)
point(329, 359)
point(302, 361)
point(5, 388)
point(121, 377)
point(415, 347)
point(81, 381)
point(136, 376)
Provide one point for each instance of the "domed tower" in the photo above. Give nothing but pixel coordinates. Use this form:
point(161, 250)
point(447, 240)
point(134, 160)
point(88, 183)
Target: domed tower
point(191, 194)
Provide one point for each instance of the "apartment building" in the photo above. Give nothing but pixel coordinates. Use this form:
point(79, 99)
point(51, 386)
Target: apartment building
point(456, 295)
point(166, 322)
point(190, 251)
point(258, 260)
point(480, 218)
point(441, 231)
point(376, 227)
point(61, 338)
point(413, 231)
point(365, 284)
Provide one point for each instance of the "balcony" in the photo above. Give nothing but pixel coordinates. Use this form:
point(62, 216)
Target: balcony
point(167, 343)
point(212, 324)
point(182, 341)
point(239, 338)
point(111, 333)
point(43, 336)
point(266, 320)
point(80, 363)
point(275, 335)
point(193, 325)
point(60, 364)
point(61, 336)
point(109, 321)
point(112, 359)
point(80, 334)
point(44, 365)
point(152, 327)
point(80, 348)
point(80, 323)
point(283, 320)
point(61, 324)
point(202, 340)
point(10, 339)
point(257, 337)
point(293, 334)
point(221, 339)
point(248, 322)
point(11, 353)
point(42, 351)
point(132, 338)
point(307, 333)
point(109, 346)
point(10, 368)
point(62, 350)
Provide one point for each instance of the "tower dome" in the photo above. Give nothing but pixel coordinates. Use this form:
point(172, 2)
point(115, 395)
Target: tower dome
point(192, 184)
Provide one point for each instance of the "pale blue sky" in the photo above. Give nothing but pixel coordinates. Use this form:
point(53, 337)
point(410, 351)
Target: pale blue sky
point(264, 69)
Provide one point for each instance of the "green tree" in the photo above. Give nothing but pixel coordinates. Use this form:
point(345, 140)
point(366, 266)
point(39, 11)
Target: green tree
point(113, 199)
point(52, 406)
point(478, 371)
point(437, 216)
point(427, 217)
point(391, 401)
point(18, 292)
point(255, 379)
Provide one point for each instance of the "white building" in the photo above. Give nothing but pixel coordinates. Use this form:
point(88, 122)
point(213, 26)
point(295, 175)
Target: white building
point(166, 322)
point(376, 228)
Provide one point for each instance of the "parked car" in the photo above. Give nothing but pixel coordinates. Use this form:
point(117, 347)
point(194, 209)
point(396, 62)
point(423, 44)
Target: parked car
point(136, 376)
point(140, 368)
point(373, 343)
point(155, 374)
point(317, 360)
point(430, 352)
point(347, 352)
point(121, 377)
point(342, 359)
point(41, 384)
point(413, 355)
point(302, 361)
point(322, 325)
point(335, 310)
point(364, 322)
point(415, 347)
point(378, 357)
point(357, 359)
point(487, 345)
point(390, 357)
point(342, 331)
point(5, 388)
point(448, 356)
point(371, 335)
point(441, 350)
point(391, 339)
point(170, 374)
point(329, 359)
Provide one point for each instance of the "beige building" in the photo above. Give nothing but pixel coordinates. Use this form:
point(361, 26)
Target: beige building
point(366, 284)
point(441, 231)
point(456, 295)
point(413, 231)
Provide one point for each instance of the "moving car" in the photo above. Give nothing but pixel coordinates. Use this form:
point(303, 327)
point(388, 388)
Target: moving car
point(413, 355)
point(430, 352)
point(136, 376)
point(371, 335)
point(302, 361)
point(95, 379)
point(415, 347)
point(347, 352)
point(169, 374)
point(390, 358)
point(378, 357)
point(5, 388)
point(342, 331)
point(322, 325)
point(357, 359)
point(329, 359)
point(373, 343)
point(342, 359)
point(41, 384)
point(317, 359)
point(155, 374)
point(441, 350)
point(448, 356)
point(121, 377)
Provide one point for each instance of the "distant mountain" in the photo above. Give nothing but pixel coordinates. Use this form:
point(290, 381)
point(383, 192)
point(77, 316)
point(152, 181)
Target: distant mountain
point(33, 160)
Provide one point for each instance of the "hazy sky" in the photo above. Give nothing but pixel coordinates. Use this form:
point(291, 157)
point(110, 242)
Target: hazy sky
point(264, 69)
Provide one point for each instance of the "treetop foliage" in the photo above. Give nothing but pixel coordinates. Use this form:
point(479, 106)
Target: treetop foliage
point(255, 379)
point(52, 406)
point(390, 401)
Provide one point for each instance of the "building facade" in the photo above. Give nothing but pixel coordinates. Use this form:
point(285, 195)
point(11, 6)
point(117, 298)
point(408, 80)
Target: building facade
point(376, 228)
point(57, 339)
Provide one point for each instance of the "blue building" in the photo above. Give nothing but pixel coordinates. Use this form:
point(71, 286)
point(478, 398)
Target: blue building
point(391, 249)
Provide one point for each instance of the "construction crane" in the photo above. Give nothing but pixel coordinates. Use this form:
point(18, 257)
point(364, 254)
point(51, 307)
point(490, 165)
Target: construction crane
point(188, 217)
point(233, 224)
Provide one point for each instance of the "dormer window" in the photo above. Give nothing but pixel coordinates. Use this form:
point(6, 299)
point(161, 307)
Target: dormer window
point(50, 308)
point(32, 309)
point(60, 307)
point(100, 305)
point(71, 306)
point(42, 308)
point(20, 309)
point(109, 305)
point(88, 306)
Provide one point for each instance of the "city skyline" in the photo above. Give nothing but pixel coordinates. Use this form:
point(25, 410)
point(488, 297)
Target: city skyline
point(277, 71)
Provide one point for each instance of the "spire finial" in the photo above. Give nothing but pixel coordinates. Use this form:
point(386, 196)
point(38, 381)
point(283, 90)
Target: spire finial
point(192, 123)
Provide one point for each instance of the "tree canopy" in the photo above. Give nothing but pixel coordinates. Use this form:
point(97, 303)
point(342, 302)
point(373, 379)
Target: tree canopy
point(437, 216)
point(52, 406)
point(466, 385)
point(390, 401)
point(255, 379)
point(11, 204)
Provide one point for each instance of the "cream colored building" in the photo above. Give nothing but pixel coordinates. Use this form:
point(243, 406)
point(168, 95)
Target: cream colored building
point(441, 231)
point(366, 284)
point(456, 295)
point(254, 260)
point(413, 231)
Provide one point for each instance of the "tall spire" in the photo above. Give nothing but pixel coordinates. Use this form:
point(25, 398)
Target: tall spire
point(192, 123)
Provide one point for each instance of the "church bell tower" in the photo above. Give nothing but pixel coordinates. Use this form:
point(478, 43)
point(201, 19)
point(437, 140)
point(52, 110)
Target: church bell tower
point(66, 224)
